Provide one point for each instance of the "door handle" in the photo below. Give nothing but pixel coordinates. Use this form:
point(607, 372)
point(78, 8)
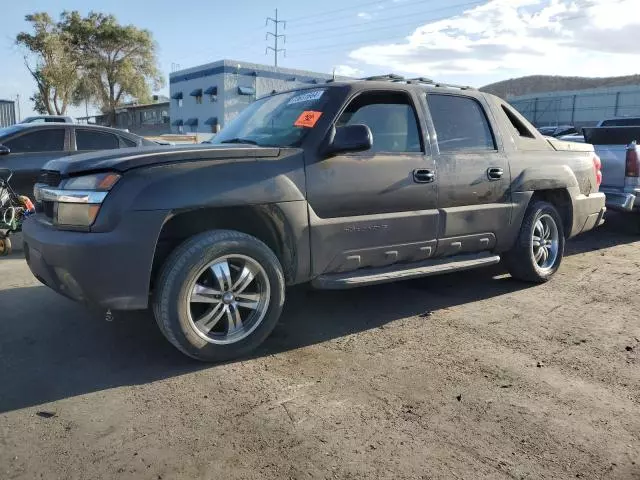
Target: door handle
point(423, 175)
point(495, 173)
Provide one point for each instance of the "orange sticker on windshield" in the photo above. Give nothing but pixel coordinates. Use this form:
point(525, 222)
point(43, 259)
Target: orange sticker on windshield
point(308, 119)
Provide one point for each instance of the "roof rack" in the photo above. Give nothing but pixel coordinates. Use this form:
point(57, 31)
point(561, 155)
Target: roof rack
point(392, 77)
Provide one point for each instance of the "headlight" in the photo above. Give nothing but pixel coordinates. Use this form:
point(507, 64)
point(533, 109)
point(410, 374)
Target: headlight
point(76, 214)
point(100, 182)
point(78, 201)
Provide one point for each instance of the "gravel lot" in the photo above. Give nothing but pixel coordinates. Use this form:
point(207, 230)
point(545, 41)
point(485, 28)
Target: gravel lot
point(465, 376)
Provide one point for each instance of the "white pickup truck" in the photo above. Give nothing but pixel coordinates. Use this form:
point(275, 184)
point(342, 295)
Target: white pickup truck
point(617, 147)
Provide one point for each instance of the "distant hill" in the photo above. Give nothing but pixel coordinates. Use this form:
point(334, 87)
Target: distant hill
point(546, 83)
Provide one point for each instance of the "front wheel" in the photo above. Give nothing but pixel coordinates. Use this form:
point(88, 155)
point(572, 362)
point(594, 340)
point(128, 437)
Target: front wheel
point(219, 295)
point(5, 245)
point(539, 248)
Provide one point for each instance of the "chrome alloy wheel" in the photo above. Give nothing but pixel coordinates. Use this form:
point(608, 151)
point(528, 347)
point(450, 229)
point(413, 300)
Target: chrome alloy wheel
point(228, 299)
point(545, 242)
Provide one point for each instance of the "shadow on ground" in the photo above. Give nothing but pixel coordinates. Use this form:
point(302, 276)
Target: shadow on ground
point(618, 229)
point(51, 348)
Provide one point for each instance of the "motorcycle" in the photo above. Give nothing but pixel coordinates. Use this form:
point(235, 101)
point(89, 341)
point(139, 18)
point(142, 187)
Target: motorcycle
point(14, 209)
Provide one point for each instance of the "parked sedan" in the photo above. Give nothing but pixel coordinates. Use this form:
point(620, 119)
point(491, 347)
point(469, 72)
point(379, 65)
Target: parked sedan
point(25, 148)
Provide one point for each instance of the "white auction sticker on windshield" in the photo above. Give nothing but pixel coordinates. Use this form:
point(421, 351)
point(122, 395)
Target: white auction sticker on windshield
point(311, 96)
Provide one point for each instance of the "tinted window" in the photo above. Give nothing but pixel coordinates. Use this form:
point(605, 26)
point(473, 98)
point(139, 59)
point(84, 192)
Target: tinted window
point(88, 140)
point(460, 123)
point(522, 129)
point(46, 140)
point(622, 122)
point(391, 119)
point(125, 142)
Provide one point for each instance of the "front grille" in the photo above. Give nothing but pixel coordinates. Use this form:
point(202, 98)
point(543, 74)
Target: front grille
point(47, 209)
point(50, 178)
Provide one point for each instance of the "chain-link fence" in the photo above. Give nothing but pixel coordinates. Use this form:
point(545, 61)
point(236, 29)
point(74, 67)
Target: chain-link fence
point(579, 108)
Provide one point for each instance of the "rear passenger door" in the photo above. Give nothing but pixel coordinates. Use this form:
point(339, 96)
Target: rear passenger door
point(378, 207)
point(473, 175)
point(88, 140)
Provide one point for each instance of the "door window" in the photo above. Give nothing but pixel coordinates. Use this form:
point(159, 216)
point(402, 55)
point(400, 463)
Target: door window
point(460, 123)
point(89, 140)
point(45, 140)
point(391, 118)
point(125, 142)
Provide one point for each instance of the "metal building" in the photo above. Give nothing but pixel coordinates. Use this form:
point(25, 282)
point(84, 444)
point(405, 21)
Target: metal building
point(7, 113)
point(581, 108)
point(205, 98)
point(142, 119)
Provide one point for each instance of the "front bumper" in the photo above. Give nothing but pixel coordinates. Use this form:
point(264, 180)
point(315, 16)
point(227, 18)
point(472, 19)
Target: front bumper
point(110, 270)
point(622, 201)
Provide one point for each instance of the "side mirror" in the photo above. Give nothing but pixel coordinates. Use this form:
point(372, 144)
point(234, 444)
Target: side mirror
point(5, 174)
point(350, 138)
point(4, 150)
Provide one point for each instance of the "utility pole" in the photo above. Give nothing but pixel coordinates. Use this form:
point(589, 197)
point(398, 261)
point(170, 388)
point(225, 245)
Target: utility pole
point(18, 104)
point(276, 37)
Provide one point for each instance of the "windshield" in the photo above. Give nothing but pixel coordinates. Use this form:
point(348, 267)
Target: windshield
point(281, 120)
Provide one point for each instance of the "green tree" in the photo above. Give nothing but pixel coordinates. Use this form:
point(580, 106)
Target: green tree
point(51, 61)
point(117, 62)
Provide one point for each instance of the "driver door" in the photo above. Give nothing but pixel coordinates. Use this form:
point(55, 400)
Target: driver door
point(378, 207)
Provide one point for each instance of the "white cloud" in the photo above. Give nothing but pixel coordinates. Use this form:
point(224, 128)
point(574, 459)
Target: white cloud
point(519, 37)
point(347, 71)
point(364, 15)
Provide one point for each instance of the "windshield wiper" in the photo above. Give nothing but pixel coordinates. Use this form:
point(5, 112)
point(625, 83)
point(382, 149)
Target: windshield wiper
point(240, 140)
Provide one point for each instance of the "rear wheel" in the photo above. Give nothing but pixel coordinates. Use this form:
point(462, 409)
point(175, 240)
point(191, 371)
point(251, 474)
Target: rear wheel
point(219, 295)
point(539, 249)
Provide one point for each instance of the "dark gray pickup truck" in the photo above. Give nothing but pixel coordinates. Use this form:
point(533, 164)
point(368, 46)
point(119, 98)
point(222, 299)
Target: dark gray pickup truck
point(339, 185)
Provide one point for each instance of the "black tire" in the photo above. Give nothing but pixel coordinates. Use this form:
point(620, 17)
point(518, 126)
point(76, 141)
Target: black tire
point(170, 303)
point(5, 245)
point(520, 260)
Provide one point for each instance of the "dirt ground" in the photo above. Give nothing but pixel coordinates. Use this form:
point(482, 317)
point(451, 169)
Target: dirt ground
point(467, 376)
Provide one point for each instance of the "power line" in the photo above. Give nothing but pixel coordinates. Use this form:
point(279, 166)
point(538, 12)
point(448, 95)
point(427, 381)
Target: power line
point(276, 37)
point(402, 5)
point(338, 46)
point(330, 12)
point(349, 31)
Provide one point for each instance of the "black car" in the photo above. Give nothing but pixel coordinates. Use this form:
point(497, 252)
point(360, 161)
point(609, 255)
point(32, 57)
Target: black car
point(25, 148)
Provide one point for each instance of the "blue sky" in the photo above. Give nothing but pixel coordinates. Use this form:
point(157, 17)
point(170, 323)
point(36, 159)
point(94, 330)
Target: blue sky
point(473, 42)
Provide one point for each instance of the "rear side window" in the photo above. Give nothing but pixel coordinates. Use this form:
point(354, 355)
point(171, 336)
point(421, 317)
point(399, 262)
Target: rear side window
point(88, 140)
point(390, 117)
point(522, 129)
point(460, 123)
point(45, 140)
point(125, 142)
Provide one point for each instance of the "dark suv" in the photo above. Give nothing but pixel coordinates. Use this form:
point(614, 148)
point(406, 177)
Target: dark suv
point(340, 185)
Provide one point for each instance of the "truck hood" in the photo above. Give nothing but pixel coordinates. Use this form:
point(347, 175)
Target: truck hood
point(125, 159)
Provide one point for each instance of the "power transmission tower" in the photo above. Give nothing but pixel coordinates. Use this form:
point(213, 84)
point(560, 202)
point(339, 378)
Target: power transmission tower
point(276, 38)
